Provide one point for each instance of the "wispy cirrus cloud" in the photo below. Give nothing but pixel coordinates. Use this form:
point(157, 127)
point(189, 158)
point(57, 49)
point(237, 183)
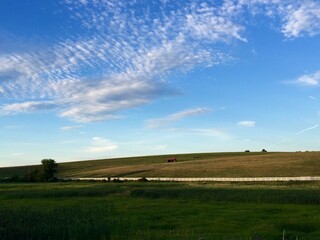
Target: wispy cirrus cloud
point(312, 79)
point(165, 121)
point(70, 128)
point(127, 51)
point(247, 123)
point(130, 54)
point(211, 23)
point(101, 145)
point(122, 64)
point(101, 99)
point(16, 108)
point(307, 80)
point(302, 20)
point(297, 18)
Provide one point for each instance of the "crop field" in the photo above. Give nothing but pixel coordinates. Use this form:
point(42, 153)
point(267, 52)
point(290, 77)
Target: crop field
point(253, 164)
point(133, 210)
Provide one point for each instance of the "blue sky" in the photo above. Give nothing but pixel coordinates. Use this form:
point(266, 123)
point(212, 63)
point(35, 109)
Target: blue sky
point(84, 79)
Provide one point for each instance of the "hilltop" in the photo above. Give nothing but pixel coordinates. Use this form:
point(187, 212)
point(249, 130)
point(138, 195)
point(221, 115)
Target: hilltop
point(229, 164)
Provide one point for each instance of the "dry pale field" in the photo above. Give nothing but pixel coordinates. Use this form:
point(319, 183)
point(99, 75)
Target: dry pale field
point(254, 164)
point(219, 165)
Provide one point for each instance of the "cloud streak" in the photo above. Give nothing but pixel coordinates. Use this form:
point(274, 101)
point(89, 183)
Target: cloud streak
point(247, 123)
point(308, 129)
point(308, 79)
point(101, 145)
point(26, 107)
point(165, 121)
point(70, 128)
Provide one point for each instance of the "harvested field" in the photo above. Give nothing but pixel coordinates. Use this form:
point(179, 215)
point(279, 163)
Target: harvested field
point(255, 164)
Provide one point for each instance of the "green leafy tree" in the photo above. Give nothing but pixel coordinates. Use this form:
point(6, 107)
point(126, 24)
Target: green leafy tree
point(49, 168)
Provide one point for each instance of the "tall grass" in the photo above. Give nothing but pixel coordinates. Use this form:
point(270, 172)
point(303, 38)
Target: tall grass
point(276, 196)
point(53, 192)
point(157, 211)
point(57, 223)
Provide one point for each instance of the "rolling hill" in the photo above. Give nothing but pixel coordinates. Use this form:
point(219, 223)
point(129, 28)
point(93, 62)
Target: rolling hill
point(232, 164)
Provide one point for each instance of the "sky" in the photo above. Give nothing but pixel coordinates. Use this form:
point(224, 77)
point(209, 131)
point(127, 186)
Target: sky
point(83, 79)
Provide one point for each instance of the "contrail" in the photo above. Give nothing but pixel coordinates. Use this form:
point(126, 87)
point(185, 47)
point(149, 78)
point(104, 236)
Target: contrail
point(307, 129)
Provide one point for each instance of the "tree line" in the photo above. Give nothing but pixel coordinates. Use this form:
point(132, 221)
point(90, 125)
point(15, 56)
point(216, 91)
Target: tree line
point(43, 174)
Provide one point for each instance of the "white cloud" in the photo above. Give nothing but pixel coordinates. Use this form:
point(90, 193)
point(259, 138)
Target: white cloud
point(162, 122)
point(70, 128)
point(131, 55)
point(125, 63)
point(24, 107)
point(308, 79)
point(43, 73)
point(102, 99)
point(302, 20)
point(100, 145)
point(297, 18)
point(247, 123)
point(206, 22)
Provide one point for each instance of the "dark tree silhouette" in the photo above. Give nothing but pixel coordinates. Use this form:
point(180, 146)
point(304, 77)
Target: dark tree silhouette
point(33, 176)
point(49, 168)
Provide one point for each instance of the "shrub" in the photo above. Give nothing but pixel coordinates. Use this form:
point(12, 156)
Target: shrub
point(143, 179)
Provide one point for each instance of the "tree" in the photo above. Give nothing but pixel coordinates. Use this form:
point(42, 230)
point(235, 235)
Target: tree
point(49, 168)
point(263, 150)
point(33, 176)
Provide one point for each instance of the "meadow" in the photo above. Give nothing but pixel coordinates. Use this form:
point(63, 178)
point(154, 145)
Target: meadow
point(151, 210)
point(167, 210)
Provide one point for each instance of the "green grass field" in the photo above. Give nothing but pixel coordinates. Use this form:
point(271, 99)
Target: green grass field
point(151, 210)
point(254, 164)
point(129, 210)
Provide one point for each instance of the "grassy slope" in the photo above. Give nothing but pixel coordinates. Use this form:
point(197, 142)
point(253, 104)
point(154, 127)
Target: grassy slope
point(10, 171)
point(253, 164)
